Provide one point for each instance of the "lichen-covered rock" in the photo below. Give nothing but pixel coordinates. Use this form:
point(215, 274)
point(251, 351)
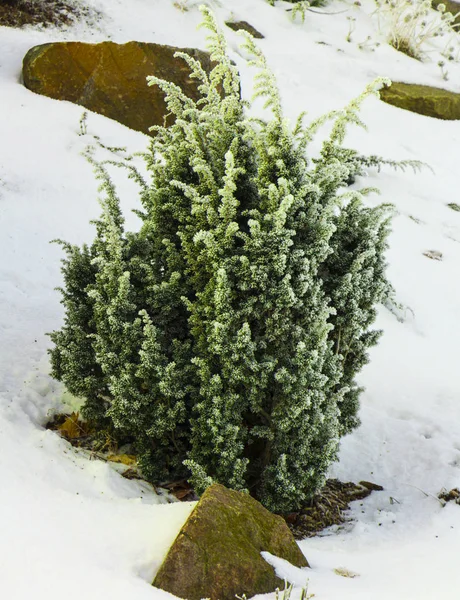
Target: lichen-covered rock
point(110, 78)
point(217, 552)
point(451, 6)
point(245, 26)
point(423, 99)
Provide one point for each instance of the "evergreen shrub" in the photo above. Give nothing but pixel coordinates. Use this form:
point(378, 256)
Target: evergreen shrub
point(224, 336)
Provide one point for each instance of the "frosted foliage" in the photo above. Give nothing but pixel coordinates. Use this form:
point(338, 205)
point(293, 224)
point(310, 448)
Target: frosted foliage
point(224, 336)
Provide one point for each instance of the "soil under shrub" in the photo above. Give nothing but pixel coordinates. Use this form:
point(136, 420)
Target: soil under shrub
point(329, 507)
point(19, 13)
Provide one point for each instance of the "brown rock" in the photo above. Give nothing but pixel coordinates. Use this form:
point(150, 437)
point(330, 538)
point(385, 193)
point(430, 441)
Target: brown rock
point(245, 26)
point(369, 485)
point(423, 99)
point(451, 6)
point(110, 78)
point(217, 553)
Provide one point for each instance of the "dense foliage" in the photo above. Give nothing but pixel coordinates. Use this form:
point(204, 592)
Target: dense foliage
point(224, 336)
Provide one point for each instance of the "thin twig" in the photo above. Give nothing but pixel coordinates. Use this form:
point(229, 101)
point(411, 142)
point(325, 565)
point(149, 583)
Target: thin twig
point(427, 494)
point(318, 12)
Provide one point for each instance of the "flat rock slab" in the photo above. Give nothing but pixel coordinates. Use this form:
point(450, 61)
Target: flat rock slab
point(423, 99)
point(110, 79)
point(245, 26)
point(217, 553)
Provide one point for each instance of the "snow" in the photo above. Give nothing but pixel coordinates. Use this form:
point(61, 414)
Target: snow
point(72, 526)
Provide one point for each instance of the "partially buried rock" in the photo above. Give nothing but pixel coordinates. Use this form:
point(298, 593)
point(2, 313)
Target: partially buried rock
point(423, 99)
point(217, 552)
point(433, 254)
point(245, 26)
point(110, 78)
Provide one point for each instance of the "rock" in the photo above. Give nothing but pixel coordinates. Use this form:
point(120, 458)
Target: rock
point(423, 99)
point(451, 6)
point(110, 78)
point(433, 254)
point(342, 572)
point(217, 552)
point(245, 26)
point(446, 496)
point(369, 485)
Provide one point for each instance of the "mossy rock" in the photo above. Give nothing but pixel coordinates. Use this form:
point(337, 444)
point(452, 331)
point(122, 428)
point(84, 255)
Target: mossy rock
point(217, 552)
point(110, 79)
point(423, 99)
point(245, 26)
point(451, 6)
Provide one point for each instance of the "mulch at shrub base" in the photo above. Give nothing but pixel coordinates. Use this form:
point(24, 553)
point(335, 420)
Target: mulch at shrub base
point(327, 508)
point(19, 13)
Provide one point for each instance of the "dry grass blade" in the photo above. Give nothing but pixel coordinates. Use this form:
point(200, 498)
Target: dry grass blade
point(72, 428)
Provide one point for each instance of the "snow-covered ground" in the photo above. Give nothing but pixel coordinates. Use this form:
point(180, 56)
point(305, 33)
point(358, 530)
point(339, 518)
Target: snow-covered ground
point(73, 528)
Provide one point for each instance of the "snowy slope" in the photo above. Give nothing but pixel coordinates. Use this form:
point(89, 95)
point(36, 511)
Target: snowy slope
point(73, 527)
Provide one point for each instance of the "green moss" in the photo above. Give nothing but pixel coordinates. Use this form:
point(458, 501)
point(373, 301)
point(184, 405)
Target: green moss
point(423, 99)
point(217, 552)
point(454, 206)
